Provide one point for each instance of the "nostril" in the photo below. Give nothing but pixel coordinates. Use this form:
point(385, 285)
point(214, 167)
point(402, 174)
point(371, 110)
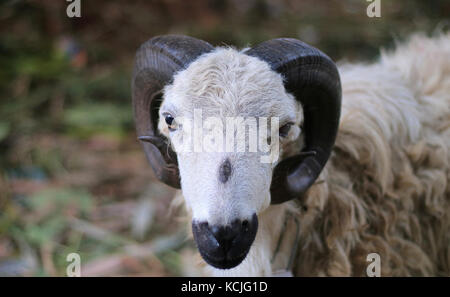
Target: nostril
point(224, 235)
point(216, 231)
point(245, 225)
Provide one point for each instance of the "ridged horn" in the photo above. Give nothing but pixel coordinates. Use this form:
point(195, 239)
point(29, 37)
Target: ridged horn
point(312, 77)
point(156, 62)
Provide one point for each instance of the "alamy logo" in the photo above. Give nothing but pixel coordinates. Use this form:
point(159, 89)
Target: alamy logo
point(74, 8)
point(374, 268)
point(233, 134)
point(374, 9)
point(74, 268)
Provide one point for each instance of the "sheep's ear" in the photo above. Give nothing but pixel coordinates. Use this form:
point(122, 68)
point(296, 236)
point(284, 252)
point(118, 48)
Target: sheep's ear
point(157, 60)
point(312, 77)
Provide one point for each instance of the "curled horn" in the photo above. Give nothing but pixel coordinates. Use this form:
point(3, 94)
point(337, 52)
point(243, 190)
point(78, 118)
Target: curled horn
point(156, 62)
point(312, 77)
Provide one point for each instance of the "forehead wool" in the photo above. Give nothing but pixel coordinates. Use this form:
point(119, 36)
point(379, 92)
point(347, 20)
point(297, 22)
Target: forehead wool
point(227, 82)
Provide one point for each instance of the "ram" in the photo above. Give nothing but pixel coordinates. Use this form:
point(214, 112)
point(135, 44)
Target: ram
point(357, 167)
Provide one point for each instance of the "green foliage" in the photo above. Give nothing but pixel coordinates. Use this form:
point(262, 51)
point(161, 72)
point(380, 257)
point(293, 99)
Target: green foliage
point(58, 201)
point(86, 119)
point(4, 130)
point(52, 207)
point(45, 232)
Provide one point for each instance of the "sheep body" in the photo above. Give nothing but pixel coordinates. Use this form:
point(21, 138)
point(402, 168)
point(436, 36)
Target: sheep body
point(385, 188)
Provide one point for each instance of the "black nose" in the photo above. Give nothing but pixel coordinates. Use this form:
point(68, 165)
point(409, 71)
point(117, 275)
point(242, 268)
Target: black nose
point(225, 246)
point(225, 235)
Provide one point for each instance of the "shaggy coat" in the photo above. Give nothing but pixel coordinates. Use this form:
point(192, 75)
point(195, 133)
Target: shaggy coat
point(385, 189)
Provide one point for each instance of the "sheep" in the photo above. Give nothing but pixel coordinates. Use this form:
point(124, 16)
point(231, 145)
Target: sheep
point(352, 177)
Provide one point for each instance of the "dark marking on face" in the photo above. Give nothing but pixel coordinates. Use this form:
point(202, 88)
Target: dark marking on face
point(225, 171)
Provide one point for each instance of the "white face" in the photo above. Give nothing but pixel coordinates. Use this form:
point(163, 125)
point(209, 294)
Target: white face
point(221, 185)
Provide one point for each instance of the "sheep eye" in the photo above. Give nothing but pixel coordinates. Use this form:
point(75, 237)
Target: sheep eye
point(284, 130)
point(170, 122)
point(169, 119)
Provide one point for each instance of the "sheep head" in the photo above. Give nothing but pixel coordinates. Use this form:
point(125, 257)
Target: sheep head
point(184, 89)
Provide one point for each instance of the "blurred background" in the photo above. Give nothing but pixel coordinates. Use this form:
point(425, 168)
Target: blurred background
point(72, 175)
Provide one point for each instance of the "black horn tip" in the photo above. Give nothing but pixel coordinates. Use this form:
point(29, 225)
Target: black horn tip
point(151, 139)
point(157, 141)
